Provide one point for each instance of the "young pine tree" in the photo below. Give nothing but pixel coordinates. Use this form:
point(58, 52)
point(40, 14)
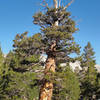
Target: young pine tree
point(89, 81)
point(89, 62)
point(17, 83)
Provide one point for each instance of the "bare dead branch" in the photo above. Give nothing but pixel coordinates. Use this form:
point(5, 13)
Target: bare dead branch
point(44, 4)
point(55, 3)
point(78, 21)
point(68, 4)
point(59, 2)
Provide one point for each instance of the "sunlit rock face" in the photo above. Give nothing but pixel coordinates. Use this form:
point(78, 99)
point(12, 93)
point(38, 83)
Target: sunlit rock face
point(63, 64)
point(43, 58)
point(73, 66)
point(97, 68)
point(5, 55)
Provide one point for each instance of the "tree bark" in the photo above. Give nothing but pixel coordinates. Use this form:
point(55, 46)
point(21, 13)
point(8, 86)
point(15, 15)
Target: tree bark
point(46, 90)
point(55, 3)
point(56, 6)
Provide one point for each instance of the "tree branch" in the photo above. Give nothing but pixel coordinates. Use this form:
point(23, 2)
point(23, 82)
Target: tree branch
point(59, 2)
point(68, 4)
point(55, 4)
point(44, 4)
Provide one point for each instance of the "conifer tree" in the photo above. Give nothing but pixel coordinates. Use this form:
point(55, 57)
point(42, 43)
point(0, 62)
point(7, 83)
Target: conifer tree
point(67, 85)
point(56, 29)
point(17, 83)
point(1, 72)
point(55, 40)
point(22, 54)
point(1, 59)
point(98, 87)
point(89, 81)
point(89, 62)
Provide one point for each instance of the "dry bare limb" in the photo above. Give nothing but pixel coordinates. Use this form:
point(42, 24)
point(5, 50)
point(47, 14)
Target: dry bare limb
point(78, 21)
point(68, 4)
point(55, 3)
point(44, 4)
point(59, 2)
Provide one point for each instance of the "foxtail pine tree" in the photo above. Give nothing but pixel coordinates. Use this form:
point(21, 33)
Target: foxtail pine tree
point(55, 40)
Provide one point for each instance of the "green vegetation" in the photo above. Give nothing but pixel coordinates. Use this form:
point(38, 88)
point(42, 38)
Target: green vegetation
point(22, 71)
point(89, 82)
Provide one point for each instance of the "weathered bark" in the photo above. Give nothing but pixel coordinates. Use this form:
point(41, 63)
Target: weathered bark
point(55, 3)
point(68, 4)
point(46, 90)
point(47, 87)
point(56, 6)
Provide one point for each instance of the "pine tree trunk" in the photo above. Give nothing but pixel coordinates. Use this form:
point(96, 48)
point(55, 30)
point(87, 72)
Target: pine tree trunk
point(46, 90)
point(47, 87)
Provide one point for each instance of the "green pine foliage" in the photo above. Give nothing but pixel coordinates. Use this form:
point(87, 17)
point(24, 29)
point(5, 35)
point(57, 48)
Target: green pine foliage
point(17, 83)
point(66, 85)
point(1, 60)
point(1, 72)
point(89, 82)
point(21, 86)
point(25, 58)
point(89, 62)
point(21, 72)
point(27, 50)
point(61, 34)
point(98, 86)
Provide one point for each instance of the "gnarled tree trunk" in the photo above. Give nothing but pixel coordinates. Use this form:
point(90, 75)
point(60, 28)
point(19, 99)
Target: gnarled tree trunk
point(46, 90)
point(47, 87)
